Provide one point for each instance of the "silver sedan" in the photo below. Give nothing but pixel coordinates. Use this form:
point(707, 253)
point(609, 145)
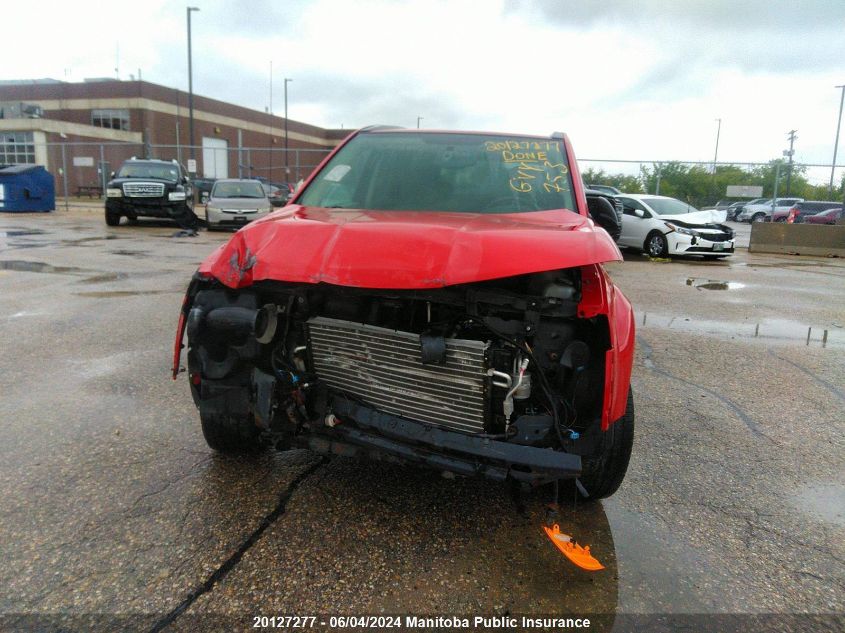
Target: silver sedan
point(234, 203)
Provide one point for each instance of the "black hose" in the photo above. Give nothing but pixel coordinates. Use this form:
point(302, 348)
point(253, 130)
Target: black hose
point(544, 382)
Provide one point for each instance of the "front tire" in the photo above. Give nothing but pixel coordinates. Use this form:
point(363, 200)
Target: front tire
point(759, 217)
point(656, 245)
point(603, 471)
point(112, 219)
point(226, 425)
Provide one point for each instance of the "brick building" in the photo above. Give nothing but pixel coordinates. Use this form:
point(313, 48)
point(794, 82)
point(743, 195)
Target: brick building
point(87, 129)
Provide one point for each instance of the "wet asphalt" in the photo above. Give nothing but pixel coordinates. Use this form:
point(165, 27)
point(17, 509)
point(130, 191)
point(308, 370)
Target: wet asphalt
point(112, 503)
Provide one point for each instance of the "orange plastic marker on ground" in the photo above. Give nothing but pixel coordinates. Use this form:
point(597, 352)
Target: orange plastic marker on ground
point(579, 555)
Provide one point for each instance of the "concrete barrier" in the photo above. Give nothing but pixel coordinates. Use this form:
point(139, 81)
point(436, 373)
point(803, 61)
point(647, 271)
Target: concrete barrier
point(798, 239)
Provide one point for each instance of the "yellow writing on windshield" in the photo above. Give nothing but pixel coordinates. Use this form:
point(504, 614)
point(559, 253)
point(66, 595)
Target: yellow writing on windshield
point(516, 146)
point(552, 176)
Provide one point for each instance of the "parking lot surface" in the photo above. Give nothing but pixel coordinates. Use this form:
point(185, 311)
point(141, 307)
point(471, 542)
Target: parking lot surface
point(112, 503)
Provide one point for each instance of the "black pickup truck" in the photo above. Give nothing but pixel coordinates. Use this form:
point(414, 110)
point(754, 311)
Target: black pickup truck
point(150, 188)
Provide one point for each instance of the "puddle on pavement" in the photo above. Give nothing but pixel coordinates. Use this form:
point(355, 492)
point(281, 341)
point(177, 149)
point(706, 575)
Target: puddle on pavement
point(21, 232)
point(40, 267)
point(765, 330)
point(91, 276)
point(110, 294)
point(713, 284)
point(824, 501)
point(128, 252)
point(96, 238)
point(104, 278)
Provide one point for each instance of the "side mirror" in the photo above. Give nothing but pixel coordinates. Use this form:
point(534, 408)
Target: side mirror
point(639, 213)
point(604, 214)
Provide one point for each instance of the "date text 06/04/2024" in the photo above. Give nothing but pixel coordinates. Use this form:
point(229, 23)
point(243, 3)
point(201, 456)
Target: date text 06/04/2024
point(421, 622)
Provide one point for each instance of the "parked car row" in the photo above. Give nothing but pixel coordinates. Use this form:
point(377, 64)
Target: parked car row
point(161, 189)
point(802, 211)
point(761, 211)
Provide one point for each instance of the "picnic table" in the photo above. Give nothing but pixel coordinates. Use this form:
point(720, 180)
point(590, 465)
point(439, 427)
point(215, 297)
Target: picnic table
point(92, 191)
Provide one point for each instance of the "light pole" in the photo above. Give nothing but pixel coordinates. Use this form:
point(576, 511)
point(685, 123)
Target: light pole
point(270, 139)
point(791, 152)
point(190, 86)
point(287, 159)
point(836, 142)
point(419, 118)
point(716, 153)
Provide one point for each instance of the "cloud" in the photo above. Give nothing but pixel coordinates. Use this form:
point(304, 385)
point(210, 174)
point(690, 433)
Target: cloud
point(641, 79)
point(755, 35)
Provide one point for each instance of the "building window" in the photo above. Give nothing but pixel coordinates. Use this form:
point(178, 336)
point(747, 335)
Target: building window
point(114, 119)
point(16, 148)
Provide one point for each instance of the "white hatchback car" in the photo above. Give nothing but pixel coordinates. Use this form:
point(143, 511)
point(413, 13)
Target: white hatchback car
point(661, 226)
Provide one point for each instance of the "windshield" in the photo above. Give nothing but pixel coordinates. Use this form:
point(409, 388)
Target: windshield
point(238, 190)
point(668, 206)
point(149, 170)
point(464, 173)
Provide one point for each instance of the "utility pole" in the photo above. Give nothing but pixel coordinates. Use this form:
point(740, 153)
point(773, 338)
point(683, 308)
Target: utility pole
point(419, 118)
point(190, 86)
point(836, 142)
point(716, 153)
point(792, 137)
point(287, 160)
point(270, 140)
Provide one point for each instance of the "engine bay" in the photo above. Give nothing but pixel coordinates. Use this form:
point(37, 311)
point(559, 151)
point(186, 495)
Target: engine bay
point(507, 359)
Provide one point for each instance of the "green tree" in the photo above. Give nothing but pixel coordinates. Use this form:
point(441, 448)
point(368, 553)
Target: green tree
point(623, 182)
point(690, 183)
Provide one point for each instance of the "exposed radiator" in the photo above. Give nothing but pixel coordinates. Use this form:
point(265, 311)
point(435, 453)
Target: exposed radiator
point(382, 367)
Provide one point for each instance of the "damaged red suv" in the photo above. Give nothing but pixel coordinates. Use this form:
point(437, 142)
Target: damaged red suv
point(427, 297)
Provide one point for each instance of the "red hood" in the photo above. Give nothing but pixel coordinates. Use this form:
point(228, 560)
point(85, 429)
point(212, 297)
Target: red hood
point(405, 250)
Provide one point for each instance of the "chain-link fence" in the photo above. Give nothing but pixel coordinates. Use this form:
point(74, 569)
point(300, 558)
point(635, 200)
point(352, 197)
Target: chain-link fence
point(705, 182)
point(82, 170)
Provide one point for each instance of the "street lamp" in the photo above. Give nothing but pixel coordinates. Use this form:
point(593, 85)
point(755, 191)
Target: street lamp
point(190, 85)
point(716, 154)
point(836, 142)
point(287, 159)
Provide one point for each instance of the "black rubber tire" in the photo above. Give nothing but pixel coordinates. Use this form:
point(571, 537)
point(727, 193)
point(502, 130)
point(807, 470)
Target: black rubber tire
point(112, 219)
point(758, 217)
point(650, 245)
point(602, 473)
point(225, 427)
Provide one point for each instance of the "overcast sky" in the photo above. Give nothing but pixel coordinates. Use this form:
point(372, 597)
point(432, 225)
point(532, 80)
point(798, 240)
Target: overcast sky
point(644, 79)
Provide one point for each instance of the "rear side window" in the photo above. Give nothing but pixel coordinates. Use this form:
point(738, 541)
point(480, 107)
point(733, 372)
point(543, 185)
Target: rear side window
point(817, 206)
